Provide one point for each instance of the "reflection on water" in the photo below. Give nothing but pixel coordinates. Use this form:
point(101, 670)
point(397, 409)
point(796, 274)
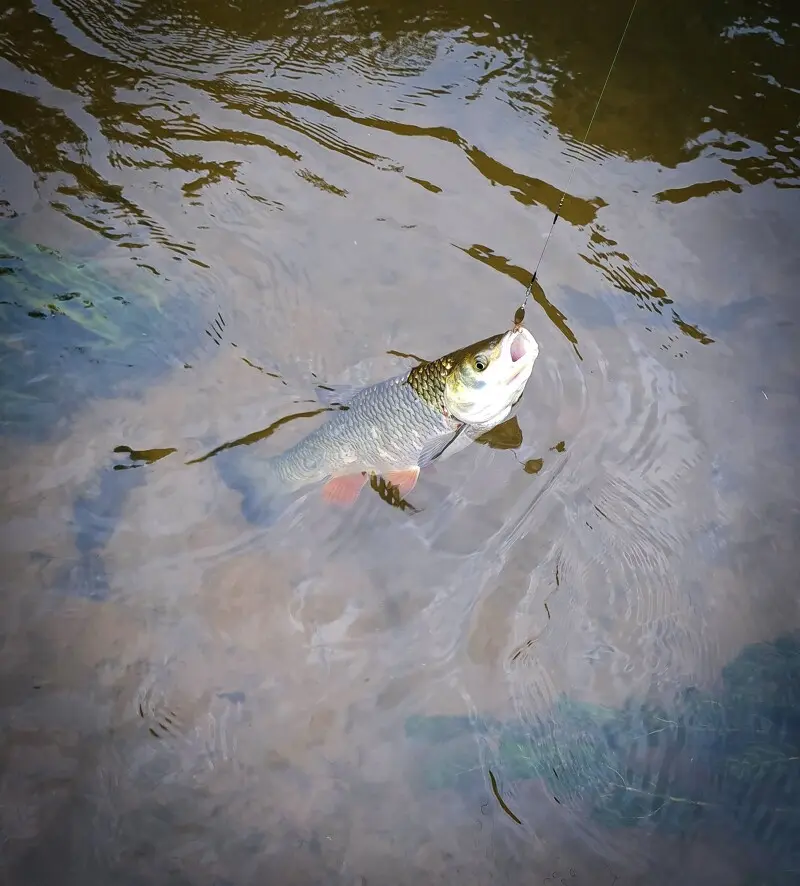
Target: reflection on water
point(213, 216)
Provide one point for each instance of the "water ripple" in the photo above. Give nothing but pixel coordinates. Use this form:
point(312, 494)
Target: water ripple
point(321, 191)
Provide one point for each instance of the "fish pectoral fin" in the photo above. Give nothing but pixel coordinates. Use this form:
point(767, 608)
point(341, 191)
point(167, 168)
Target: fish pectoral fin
point(438, 445)
point(335, 395)
point(404, 480)
point(344, 490)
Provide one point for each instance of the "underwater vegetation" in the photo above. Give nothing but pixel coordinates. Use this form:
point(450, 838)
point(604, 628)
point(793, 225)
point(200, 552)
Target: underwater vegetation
point(731, 757)
point(71, 330)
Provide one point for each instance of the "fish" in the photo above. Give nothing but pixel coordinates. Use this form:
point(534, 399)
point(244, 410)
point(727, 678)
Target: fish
point(396, 427)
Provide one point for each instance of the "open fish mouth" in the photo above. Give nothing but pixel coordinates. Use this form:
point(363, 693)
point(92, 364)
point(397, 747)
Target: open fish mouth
point(519, 347)
point(522, 349)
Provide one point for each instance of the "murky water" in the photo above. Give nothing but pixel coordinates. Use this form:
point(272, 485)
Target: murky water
point(210, 208)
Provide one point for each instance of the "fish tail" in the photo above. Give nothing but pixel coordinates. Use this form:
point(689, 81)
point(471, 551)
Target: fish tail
point(263, 495)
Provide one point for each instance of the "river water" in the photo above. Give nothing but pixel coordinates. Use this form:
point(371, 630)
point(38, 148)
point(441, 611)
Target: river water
point(210, 208)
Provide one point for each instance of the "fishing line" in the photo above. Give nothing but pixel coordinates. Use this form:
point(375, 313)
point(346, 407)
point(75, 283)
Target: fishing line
point(519, 316)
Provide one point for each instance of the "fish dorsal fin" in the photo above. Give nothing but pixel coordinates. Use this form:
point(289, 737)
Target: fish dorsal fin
point(335, 395)
point(436, 447)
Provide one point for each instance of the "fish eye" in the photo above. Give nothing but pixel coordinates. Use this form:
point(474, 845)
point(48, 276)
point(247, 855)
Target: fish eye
point(481, 363)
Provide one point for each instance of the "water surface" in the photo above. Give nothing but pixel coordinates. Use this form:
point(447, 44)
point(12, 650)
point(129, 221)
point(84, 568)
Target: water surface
point(210, 208)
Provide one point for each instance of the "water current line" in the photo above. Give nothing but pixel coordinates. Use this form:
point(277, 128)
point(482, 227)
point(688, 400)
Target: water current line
point(519, 316)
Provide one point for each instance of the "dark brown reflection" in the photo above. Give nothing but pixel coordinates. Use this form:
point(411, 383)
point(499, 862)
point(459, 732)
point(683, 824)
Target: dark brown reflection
point(737, 60)
point(256, 436)
point(736, 75)
point(390, 494)
point(720, 84)
point(141, 457)
point(508, 435)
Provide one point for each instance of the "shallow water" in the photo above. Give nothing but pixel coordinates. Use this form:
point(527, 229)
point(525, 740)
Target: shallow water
point(246, 200)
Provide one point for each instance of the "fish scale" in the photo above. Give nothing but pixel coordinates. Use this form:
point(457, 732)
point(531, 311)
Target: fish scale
point(385, 425)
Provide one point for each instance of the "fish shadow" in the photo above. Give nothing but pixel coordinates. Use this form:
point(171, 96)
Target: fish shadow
point(95, 517)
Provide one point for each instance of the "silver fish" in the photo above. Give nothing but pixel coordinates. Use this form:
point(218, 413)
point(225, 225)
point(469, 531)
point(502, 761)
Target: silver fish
point(395, 427)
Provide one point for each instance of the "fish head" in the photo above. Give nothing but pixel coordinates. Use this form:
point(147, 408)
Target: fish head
point(488, 377)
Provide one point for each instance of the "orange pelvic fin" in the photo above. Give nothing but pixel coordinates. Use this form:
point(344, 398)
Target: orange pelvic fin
point(344, 490)
point(405, 480)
